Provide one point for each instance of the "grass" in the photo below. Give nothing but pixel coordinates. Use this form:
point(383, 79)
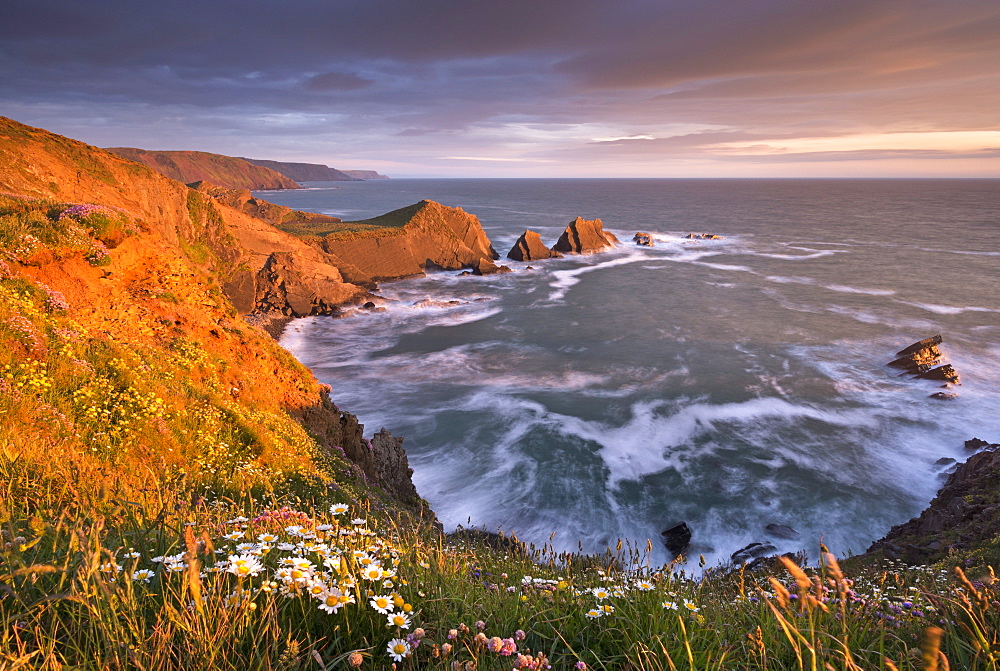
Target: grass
point(387, 224)
point(150, 518)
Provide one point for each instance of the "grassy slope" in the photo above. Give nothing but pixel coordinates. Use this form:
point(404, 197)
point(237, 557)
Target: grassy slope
point(391, 223)
point(147, 428)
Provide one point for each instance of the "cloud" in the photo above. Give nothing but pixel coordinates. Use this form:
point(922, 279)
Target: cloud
point(337, 81)
point(518, 79)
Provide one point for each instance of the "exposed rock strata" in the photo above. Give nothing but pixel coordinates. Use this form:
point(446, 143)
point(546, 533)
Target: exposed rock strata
point(584, 236)
point(529, 247)
point(920, 358)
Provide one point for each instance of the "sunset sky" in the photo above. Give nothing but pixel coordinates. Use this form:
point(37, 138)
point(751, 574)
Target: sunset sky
point(537, 88)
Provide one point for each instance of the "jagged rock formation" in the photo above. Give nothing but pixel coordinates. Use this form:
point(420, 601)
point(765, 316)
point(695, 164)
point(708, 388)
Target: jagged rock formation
point(304, 172)
point(643, 239)
point(244, 201)
point(964, 514)
point(920, 358)
point(196, 166)
point(584, 236)
point(529, 247)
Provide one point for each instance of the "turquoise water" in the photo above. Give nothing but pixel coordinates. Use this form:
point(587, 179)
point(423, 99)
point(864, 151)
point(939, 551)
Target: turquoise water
point(729, 384)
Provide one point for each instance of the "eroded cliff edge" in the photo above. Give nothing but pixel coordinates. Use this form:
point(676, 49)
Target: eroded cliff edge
point(181, 269)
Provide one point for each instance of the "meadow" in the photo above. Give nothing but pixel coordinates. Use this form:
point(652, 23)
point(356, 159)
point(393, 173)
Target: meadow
point(164, 507)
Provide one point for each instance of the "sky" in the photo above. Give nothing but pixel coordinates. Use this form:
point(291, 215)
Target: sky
point(523, 88)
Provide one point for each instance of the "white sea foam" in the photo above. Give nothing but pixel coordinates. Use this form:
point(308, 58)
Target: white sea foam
point(565, 279)
point(949, 309)
point(839, 288)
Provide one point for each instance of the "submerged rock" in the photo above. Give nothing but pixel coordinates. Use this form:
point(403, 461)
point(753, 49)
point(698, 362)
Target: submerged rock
point(752, 551)
point(781, 531)
point(677, 538)
point(584, 236)
point(529, 247)
point(703, 236)
point(487, 267)
point(944, 395)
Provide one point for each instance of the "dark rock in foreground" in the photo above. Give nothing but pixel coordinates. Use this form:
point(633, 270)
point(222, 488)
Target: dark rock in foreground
point(529, 247)
point(584, 236)
point(677, 538)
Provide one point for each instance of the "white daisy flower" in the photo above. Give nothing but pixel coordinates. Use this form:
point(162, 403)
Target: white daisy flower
point(245, 565)
point(398, 649)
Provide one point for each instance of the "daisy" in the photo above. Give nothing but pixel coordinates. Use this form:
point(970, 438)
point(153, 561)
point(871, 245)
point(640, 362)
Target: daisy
point(669, 605)
point(143, 574)
point(244, 565)
point(331, 602)
point(644, 586)
point(594, 613)
point(372, 572)
point(317, 589)
point(267, 538)
point(382, 604)
point(339, 508)
point(401, 620)
point(398, 649)
point(233, 535)
point(690, 606)
point(601, 593)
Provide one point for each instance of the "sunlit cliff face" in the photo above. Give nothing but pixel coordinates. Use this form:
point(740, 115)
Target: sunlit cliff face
point(568, 88)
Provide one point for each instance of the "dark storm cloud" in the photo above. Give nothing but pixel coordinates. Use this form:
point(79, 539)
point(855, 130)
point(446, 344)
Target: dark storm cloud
point(503, 72)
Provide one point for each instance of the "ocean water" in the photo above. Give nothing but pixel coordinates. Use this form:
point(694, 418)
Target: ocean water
point(729, 384)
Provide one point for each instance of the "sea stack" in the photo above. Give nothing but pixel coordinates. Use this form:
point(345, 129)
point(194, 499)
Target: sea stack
point(529, 247)
point(584, 236)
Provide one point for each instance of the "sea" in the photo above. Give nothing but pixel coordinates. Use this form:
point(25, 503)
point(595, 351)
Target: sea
point(730, 384)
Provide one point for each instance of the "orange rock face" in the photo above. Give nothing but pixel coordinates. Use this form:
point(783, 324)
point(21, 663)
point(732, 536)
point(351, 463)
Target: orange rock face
point(584, 236)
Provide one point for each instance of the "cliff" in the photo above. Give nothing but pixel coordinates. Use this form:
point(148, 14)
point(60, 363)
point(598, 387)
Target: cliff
point(305, 172)
point(965, 514)
point(402, 243)
point(244, 201)
point(364, 174)
point(195, 166)
point(125, 300)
